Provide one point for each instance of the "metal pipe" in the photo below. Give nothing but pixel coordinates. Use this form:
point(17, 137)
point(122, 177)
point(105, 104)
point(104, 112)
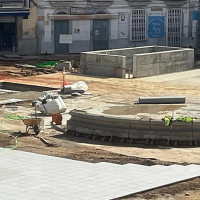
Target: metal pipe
point(161, 100)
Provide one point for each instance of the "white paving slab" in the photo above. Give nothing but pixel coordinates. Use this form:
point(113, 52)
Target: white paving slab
point(30, 176)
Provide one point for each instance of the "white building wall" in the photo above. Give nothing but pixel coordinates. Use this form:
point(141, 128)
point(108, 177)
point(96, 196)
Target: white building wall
point(119, 33)
point(81, 30)
point(80, 36)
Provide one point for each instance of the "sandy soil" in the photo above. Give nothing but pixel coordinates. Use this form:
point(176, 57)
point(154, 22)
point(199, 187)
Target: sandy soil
point(180, 191)
point(105, 91)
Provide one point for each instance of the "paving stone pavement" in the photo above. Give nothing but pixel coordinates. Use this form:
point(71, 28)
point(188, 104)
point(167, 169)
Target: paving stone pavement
point(30, 176)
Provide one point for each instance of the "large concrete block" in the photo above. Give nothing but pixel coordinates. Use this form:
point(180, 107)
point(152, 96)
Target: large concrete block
point(109, 131)
point(103, 65)
point(148, 70)
point(182, 136)
point(114, 119)
point(190, 54)
point(196, 130)
point(164, 57)
point(141, 124)
point(138, 134)
point(141, 71)
point(143, 60)
point(112, 124)
point(90, 57)
point(164, 68)
point(196, 136)
point(159, 125)
point(134, 66)
point(86, 121)
point(158, 130)
point(78, 113)
point(158, 135)
point(83, 116)
point(191, 63)
point(128, 53)
point(98, 125)
point(154, 69)
point(178, 55)
point(182, 131)
point(156, 57)
point(80, 127)
point(182, 126)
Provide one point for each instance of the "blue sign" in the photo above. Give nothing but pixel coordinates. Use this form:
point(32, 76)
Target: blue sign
point(195, 15)
point(156, 26)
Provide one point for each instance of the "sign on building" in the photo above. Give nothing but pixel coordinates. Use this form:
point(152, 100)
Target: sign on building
point(13, 4)
point(156, 26)
point(123, 25)
point(82, 11)
point(195, 15)
point(65, 39)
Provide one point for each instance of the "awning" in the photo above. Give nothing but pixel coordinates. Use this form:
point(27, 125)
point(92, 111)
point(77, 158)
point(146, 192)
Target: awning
point(23, 13)
point(82, 17)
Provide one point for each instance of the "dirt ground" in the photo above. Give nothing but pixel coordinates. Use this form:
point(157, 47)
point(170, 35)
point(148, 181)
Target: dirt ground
point(180, 191)
point(104, 91)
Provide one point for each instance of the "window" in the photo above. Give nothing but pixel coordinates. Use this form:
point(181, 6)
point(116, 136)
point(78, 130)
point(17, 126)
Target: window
point(174, 27)
point(138, 25)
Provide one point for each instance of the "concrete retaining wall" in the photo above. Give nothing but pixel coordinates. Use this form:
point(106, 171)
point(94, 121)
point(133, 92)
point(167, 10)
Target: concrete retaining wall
point(102, 64)
point(84, 122)
point(142, 61)
point(129, 52)
point(150, 64)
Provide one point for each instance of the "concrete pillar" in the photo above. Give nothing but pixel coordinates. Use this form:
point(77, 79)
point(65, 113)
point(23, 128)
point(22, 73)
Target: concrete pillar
point(19, 31)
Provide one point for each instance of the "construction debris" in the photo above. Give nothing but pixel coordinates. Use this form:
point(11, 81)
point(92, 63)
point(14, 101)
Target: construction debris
point(50, 103)
point(79, 87)
point(47, 67)
point(76, 94)
point(62, 64)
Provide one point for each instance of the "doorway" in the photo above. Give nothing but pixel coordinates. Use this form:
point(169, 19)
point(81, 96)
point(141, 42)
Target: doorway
point(60, 27)
point(100, 34)
point(7, 36)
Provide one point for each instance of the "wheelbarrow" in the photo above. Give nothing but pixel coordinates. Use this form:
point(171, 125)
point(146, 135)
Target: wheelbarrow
point(33, 123)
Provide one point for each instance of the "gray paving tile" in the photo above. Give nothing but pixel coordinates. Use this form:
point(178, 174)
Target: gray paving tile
point(45, 177)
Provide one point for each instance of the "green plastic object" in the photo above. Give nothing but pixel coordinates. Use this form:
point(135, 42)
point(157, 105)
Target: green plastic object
point(167, 120)
point(14, 117)
point(5, 131)
point(46, 64)
point(185, 119)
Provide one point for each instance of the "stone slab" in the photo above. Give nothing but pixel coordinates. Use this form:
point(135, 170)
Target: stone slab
point(31, 176)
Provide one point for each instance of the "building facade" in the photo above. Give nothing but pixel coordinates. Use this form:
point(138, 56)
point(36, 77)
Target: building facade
point(12, 14)
point(73, 26)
